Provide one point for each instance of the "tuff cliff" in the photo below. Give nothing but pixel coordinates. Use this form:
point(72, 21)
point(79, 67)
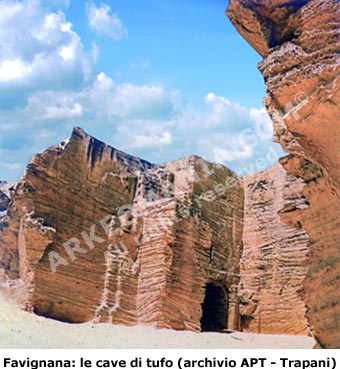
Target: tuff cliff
point(98, 234)
point(300, 43)
point(272, 268)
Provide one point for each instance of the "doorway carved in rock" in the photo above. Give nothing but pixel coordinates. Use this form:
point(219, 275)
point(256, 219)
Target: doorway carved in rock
point(215, 308)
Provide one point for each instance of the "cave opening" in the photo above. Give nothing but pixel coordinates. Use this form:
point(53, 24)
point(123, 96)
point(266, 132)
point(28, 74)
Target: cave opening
point(215, 308)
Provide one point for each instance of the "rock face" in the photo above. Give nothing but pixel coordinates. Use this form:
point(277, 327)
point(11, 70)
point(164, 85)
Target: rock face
point(97, 234)
point(4, 196)
point(273, 264)
point(4, 203)
point(300, 43)
point(8, 263)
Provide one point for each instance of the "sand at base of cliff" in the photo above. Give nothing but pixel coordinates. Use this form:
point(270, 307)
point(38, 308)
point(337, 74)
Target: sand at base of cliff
point(19, 329)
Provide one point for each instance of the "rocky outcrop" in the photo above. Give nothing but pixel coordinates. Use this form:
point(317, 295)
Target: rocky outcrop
point(98, 234)
point(273, 264)
point(4, 196)
point(300, 43)
point(8, 259)
point(4, 203)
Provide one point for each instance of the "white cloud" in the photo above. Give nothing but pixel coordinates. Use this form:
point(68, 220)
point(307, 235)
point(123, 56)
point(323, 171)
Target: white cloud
point(144, 102)
point(95, 52)
point(226, 114)
point(263, 123)
point(105, 23)
point(13, 70)
point(48, 84)
point(238, 152)
point(63, 112)
point(40, 51)
point(152, 141)
point(147, 121)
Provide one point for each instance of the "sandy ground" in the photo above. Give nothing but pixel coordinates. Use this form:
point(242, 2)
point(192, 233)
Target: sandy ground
point(19, 329)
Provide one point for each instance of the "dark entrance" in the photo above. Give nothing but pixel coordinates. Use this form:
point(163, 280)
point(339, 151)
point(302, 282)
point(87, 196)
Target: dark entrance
point(214, 309)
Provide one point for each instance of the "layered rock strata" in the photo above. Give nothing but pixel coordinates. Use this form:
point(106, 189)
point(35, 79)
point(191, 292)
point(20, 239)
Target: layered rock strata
point(8, 258)
point(300, 43)
point(273, 264)
point(97, 234)
point(4, 202)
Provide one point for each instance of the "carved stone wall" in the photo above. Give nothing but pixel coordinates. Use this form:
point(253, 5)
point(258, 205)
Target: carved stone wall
point(130, 242)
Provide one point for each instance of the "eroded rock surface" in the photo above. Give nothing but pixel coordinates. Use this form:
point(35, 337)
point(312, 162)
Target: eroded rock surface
point(98, 234)
point(8, 263)
point(273, 264)
point(300, 43)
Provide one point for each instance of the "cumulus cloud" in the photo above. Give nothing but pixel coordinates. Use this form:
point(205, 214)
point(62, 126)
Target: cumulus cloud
point(230, 154)
point(237, 136)
point(107, 99)
point(103, 22)
point(49, 83)
point(63, 112)
point(229, 116)
point(148, 141)
point(145, 102)
point(41, 51)
point(148, 121)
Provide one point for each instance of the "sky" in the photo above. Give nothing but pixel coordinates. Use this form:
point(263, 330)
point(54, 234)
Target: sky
point(157, 79)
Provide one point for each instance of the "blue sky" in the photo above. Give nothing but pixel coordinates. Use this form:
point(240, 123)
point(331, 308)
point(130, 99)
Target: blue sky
point(160, 80)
